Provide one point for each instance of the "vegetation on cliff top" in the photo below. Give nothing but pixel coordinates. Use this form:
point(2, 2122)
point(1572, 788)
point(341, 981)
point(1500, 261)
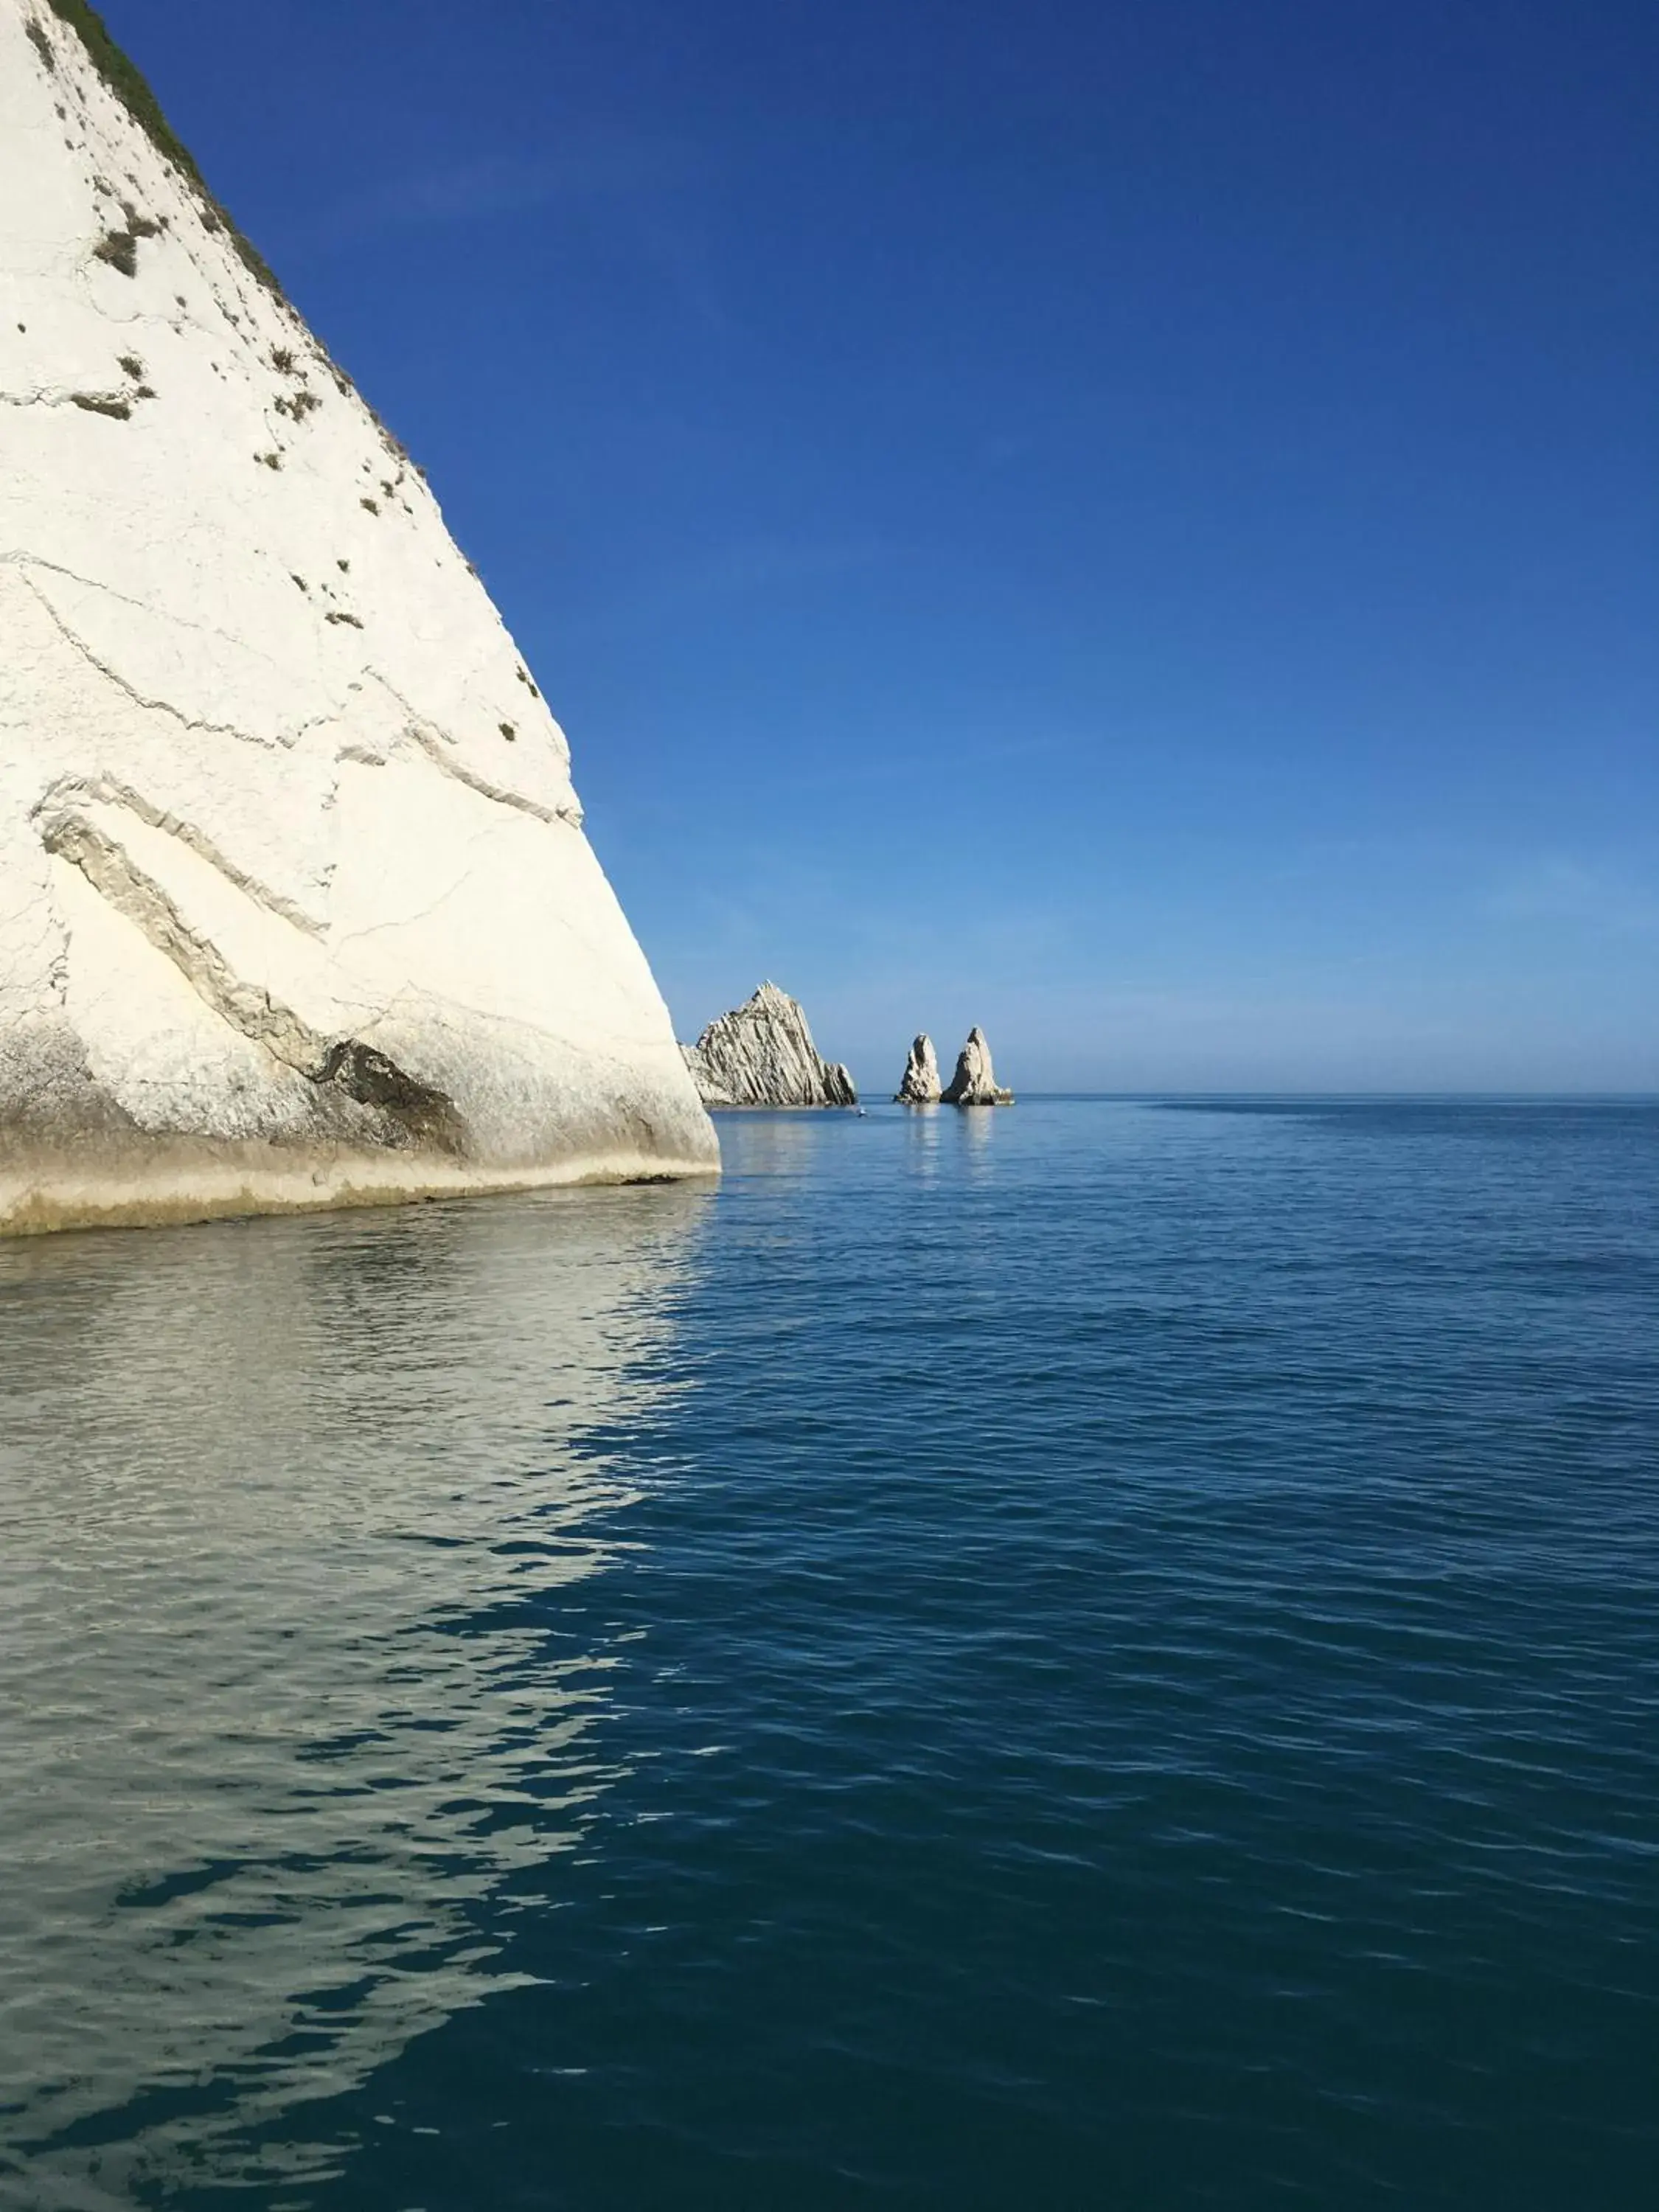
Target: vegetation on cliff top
point(128, 85)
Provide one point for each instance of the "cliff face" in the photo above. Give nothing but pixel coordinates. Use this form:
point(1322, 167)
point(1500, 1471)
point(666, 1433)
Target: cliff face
point(762, 1054)
point(295, 906)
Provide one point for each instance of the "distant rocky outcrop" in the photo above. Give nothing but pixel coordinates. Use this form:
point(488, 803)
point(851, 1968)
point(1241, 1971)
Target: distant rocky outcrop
point(919, 1085)
point(975, 1082)
point(762, 1054)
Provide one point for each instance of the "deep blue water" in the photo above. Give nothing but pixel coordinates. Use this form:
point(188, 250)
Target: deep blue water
point(1100, 1655)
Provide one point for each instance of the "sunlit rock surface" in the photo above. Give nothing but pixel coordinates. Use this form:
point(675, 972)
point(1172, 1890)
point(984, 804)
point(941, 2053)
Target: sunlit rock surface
point(919, 1085)
point(975, 1082)
point(762, 1054)
point(295, 906)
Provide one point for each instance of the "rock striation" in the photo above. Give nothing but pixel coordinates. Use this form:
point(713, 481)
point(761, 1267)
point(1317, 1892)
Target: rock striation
point(975, 1082)
point(919, 1085)
point(762, 1054)
point(295, 905)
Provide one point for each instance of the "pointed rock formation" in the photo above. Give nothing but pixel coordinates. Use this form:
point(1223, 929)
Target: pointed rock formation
point(762, 1054)
point(919, 1084)
point(295, 907)
point(975, 1082)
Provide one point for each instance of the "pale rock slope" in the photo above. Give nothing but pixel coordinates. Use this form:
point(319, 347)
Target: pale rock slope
point(295, 906)
point(762, 1054)
point(974, 1083)
point(919, 1085)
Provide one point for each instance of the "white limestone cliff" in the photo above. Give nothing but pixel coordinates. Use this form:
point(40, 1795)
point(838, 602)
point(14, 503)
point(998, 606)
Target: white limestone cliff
point(975, 1082)
point(295, 905)
point(919, 1085)
point(762, 1054)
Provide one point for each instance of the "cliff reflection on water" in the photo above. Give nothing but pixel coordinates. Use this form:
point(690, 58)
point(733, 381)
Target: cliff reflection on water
point(296, 1519)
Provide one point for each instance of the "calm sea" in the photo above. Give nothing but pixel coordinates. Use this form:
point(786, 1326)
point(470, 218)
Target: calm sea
point(1105, 1656)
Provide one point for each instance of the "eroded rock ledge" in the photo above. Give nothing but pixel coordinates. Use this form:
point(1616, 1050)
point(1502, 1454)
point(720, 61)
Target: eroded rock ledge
point(762, 1054)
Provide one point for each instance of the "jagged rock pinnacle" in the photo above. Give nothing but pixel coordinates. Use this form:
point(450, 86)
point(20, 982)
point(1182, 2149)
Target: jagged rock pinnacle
point(975, 1082)
point(919, 1085)
point(762, 1054)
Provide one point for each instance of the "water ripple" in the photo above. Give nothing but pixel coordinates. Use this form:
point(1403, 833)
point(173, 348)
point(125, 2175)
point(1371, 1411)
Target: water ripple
point(1100, 1655)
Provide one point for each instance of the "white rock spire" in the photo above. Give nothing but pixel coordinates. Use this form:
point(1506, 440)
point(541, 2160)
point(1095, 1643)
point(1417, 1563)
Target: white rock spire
point(975, 1082)
point(919, 1085)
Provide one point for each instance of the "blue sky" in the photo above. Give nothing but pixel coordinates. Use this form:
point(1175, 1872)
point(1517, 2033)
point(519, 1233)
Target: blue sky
point(1138, 526)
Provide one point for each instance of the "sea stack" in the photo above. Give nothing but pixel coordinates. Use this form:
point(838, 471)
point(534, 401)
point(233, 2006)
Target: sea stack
point(919, 1085)
point(975, 1082)
point(297, 908)
point(762, 1054)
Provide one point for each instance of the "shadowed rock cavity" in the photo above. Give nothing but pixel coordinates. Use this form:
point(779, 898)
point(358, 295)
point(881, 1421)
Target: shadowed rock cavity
point(372, 1080)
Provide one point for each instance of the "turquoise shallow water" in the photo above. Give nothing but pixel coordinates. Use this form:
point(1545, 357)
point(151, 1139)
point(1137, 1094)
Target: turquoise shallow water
point(1101, 1655)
